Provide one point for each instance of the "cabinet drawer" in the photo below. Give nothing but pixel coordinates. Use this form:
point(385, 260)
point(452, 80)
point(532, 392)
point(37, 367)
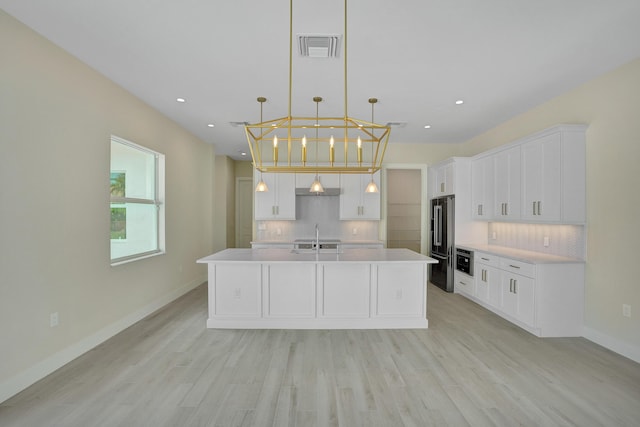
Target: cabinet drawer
point(487, 259)
point(518, 267)
point(464, 283)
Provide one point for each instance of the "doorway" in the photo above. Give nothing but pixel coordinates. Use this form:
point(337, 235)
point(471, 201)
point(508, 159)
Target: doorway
point(244, 212)
point(404, 209)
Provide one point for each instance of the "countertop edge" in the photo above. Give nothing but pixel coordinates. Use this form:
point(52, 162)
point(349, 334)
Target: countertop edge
point(521, 254)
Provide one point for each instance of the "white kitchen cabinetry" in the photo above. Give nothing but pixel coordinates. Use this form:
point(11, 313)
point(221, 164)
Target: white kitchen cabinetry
point(488, 285)
point(463, 283)
point(277, 289)
point(546, 299)
point(518, 290)
point(540, 178)
point(507, 184)
point(541, 163)
point(355, 204)
point(290, 290)
point(482, 191)
point(239, 293)
point(279, 203)
point(442, 179)
point(553, 177)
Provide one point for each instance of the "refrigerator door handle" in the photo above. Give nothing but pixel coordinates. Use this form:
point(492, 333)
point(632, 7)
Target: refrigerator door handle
point(437, 221)
point(439, 256)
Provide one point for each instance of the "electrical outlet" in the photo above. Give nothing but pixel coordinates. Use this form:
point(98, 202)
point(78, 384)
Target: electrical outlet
point(626, 310)
point(354, 231)
point(494, 235)
point(545, 241)
point(53, 319)
point(279, 231)
point(262, 226)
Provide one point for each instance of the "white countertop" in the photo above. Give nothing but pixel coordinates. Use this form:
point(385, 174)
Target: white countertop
point(342, 241)
point(287, 255)
point(520, 254)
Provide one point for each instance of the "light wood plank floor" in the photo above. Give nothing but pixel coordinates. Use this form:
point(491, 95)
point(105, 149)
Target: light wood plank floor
point(469, 368)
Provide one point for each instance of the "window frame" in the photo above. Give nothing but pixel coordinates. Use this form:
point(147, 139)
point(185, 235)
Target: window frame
point(157, 201)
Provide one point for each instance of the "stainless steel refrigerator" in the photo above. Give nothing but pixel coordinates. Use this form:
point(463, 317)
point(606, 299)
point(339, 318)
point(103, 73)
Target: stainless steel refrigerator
point(442, 242)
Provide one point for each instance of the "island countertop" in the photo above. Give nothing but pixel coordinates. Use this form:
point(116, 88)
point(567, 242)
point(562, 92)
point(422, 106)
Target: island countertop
point(274, 255)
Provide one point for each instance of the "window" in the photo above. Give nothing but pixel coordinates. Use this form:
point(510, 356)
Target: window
point(137, 208)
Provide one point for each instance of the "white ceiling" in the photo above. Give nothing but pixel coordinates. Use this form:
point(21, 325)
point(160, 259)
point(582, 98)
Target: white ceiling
point(502, 57)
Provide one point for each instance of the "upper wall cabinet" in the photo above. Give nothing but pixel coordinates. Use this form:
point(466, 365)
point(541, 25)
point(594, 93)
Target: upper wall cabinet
point(540, 178)
point(442, 178)
point(355, 204)
point(506, 185)
point(482, 177)
point(553, 177)
point(279, 203)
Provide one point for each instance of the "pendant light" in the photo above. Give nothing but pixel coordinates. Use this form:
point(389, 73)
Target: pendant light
point(316, 185)
point(262, 186)
point(372, 187)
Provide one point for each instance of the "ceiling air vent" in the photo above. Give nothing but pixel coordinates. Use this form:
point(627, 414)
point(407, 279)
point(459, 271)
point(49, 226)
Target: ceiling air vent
point(319, 45)
point(396, 124)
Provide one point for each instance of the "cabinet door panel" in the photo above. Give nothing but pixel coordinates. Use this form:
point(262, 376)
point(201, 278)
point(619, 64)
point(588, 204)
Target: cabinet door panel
point(518, 297)
point(238, 290)
point(346, 290)
point(541, 175)
point(290, 290)
point(507, 184)
point(400, 290)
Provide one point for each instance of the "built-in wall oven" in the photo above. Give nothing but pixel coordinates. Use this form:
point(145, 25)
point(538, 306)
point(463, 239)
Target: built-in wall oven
point(464, 261)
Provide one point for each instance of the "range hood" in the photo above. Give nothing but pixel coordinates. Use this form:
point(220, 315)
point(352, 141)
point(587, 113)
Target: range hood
point(304, 191)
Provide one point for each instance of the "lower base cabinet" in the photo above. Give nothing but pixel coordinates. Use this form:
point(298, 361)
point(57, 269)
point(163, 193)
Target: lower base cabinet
point(544, 299)
point(318, 295)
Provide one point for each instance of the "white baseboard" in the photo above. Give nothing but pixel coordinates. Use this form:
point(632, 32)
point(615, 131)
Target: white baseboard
point(613, 344)
point(26, 378)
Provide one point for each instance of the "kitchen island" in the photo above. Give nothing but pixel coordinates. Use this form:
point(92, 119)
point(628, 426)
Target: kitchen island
point(345, 289)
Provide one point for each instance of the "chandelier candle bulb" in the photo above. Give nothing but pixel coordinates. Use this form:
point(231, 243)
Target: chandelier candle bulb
point(275, 150)
point(359, 151)
point(304, 149)
point(332, 152)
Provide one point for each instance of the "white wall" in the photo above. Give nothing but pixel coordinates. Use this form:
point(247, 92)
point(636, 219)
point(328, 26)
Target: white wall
point(610, 105)
point(56, 118)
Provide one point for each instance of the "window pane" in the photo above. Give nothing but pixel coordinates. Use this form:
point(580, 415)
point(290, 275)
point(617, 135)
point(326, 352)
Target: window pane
point(134, 171)
point(137, 224)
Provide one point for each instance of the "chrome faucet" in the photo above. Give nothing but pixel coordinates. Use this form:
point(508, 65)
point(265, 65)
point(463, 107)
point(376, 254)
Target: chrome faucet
point(317, 239)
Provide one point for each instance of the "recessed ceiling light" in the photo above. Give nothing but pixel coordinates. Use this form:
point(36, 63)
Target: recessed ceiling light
point(459, 101)
point(211, 125)
point(180, 99)
point(427, 126)
point(243, 153)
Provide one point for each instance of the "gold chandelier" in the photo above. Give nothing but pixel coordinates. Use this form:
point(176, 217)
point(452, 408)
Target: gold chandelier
point(345, 144)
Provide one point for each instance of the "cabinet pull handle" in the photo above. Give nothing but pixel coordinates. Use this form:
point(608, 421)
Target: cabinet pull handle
point(515, 286)
point(534, 208)
point(442, 187)
point(539, 208)
point(514, 266)
point(510, 285)
point(486, 259)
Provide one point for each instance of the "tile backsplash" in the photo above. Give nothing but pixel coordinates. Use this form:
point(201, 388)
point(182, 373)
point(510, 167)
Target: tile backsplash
point(321, 210)
point(563, 240)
